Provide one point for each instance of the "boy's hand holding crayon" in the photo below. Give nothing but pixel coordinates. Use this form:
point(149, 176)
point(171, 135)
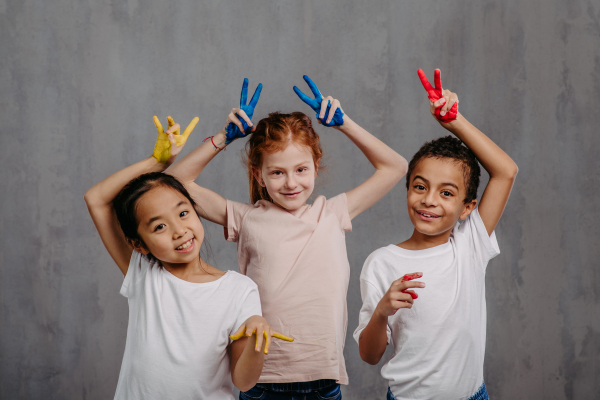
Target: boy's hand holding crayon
point(399, 295)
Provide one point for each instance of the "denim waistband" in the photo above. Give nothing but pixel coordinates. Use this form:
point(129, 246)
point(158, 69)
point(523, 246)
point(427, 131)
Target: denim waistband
point(481, 394)
point(298, 387)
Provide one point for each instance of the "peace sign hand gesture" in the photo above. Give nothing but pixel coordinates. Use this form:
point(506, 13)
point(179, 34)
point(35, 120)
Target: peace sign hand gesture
point(444, 103)
point(322, 106)
point(232, 131)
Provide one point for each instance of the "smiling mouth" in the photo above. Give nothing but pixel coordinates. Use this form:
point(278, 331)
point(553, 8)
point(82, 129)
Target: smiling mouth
point(291, 194)
point(186, 245)
point(427, 215)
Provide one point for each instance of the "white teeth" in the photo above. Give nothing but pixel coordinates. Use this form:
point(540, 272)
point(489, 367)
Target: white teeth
point(185, 245)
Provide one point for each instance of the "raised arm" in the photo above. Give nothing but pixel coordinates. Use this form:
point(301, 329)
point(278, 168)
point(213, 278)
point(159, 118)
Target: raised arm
point(213, 206)
point(502, 169)
point(390, 166)
point(100, 197)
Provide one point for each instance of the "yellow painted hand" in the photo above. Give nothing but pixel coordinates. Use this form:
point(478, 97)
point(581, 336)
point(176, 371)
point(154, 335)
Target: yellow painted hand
point(242, 332)
point(162, 149)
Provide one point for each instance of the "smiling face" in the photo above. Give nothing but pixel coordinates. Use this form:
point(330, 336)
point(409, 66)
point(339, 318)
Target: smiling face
point(168, 226)
point(435, 196)
point(289, 176)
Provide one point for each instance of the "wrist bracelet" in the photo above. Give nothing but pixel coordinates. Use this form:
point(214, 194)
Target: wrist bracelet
point(213, 143)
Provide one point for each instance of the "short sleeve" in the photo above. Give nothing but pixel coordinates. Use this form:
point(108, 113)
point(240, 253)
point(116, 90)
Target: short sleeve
point(235, 215)
point(138, 265)
point(339, 206)
point(249, 305)
point(472, 236)
point(370, 296)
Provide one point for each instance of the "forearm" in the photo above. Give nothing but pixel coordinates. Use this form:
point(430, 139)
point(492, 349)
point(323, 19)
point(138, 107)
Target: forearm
point(380, 155)
point(189, 167)
point(104, 192)
point(373, 339)
point(247, 369)
point(495, 161)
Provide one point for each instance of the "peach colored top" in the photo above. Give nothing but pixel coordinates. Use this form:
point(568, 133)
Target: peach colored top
point(299, 262)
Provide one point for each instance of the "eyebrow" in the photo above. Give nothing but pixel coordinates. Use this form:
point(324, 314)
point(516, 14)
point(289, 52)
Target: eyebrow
point(151, 220)
point(295, 166)
point(443, 184)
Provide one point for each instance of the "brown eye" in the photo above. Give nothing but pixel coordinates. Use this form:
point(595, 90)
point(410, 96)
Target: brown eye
point(183, 213)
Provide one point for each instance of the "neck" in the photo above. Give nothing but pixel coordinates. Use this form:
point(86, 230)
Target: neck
point(197, 271)
point(421, 241)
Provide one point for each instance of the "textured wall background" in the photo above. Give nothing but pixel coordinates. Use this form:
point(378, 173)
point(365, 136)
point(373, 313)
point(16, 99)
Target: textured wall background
point(80, 81)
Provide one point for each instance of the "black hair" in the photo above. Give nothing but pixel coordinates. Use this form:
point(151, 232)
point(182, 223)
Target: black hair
point(126, 201)
point(454, 149)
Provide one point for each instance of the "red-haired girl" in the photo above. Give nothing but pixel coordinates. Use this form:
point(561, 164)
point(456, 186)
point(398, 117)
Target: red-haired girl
point(294, 251)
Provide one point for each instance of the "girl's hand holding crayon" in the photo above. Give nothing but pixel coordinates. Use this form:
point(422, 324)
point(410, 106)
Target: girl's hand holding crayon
point(256, 324)
point(443, 103)
point(170, 143)
point(322, 106)
point(398, 295)
point(238, 123)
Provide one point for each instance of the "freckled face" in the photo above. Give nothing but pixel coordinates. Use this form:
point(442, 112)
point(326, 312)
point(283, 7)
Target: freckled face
point(289, 176)
point(435, 196)
point(169, 226)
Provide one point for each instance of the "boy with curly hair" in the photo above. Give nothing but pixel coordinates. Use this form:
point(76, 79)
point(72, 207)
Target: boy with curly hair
point(439, 339)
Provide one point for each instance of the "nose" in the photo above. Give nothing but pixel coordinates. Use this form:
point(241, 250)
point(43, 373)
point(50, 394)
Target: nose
point(429, 199)
point(179, 230)
point(290, 182)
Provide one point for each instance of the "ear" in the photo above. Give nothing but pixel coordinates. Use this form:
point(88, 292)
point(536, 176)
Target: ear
point(138, 246)
point(469, 207)
point(258, 176)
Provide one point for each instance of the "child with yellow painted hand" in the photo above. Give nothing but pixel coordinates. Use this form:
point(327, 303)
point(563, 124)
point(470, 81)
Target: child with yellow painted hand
point(182, 310)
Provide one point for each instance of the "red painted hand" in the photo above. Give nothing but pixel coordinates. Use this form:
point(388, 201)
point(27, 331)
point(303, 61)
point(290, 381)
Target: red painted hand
point(410, 277)
point(436, 93)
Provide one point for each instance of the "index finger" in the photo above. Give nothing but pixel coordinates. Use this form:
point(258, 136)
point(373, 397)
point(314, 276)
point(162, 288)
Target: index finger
point(410, 277)
point(424, 80)
point(244, 95)
point(256, 96)
point(437, 79)
point(314, 104)
point(158, 125)
point(313, 88)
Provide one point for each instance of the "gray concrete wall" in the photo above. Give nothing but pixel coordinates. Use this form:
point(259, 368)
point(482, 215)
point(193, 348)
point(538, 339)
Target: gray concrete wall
point(81, 80)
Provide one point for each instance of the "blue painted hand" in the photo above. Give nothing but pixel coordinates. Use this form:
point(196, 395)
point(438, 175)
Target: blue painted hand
point(320, 107)
point(233, 131)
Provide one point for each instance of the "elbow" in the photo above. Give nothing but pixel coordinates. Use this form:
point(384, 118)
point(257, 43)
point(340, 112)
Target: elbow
point(369, 358)
point(243, 386)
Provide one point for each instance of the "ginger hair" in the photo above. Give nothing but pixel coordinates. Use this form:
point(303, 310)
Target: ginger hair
point(274, 133)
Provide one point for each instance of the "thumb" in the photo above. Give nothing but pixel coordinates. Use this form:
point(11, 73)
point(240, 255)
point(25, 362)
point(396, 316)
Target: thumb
point(189, 129)
point(239, 334)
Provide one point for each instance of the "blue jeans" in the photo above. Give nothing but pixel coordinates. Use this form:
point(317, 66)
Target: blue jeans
point(324, 389)
point(481, 394)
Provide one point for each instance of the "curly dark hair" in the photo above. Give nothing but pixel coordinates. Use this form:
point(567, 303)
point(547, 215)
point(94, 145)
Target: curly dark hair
point(453, 148)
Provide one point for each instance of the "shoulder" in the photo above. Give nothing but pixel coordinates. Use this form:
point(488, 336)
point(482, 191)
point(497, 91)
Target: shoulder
point(376, 261)
point(239, 281)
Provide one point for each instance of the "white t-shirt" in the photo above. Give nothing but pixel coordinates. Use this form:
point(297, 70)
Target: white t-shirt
point(179, 331)
point(439, 344)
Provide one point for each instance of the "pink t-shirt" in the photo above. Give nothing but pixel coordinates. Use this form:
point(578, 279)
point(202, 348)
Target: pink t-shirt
point(299, 262)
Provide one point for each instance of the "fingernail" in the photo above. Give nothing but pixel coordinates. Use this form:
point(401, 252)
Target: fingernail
point(442, 101)
point(442, 113)
point(422, 284)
